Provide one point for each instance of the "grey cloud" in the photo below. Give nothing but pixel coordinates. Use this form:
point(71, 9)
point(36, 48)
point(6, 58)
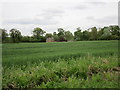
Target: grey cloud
point(51, 13)
point(81, 7)
point(46, 17)
point(108, 19)
point(90, 18)
point(97, 3)
point(87, 5)
point(31, 21)
point(54, 11)
point(104, 20)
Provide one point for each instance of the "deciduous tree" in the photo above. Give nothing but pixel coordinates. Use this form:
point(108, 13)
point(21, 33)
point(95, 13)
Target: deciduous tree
point(4, 34)
point(15, 35)
point(68, 35)
point(38, 33)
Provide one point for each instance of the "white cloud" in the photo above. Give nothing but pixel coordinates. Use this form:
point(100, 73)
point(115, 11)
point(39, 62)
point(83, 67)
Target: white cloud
point(69, 15)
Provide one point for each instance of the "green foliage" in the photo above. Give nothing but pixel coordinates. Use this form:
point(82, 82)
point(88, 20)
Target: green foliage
point(78, 35)
point(86, 64)
point(61, 34)
point(4, 34)
point(15, 35)
point(115, 30)
point(93, 33)
point(106, 33)
point(55, 36)
point(100, 33)
point(85, 35)
point(68, 36)
point(25, 39)
point(38, 33)
point(48, 35)
point(74, 73)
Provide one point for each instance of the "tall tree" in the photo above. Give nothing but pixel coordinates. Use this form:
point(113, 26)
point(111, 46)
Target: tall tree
point(55, 36)
point(61, 34)
point(15, 35)
point(4, 34)
point(68, 35)
point(85, 35)
point(107, 35)
point(93, 35)
point(78, 34)
point(115, 30)
point(100, 33)
point(38, 33)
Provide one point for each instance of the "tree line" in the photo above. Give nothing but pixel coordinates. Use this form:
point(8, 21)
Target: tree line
point(111, 32)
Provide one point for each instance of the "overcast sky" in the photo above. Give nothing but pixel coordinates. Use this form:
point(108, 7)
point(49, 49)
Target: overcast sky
point(53, 14)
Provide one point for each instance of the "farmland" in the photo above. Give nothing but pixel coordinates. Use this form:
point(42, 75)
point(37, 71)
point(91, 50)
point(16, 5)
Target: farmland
point(83, 64)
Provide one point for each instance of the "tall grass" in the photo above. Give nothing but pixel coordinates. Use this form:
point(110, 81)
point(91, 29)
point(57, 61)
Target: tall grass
point(85, 64)
point(85, 72)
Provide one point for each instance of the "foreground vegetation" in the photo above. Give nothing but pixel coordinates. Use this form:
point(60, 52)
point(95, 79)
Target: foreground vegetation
point(83, 64)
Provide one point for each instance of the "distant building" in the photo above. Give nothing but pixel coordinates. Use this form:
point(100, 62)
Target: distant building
point(50, 39)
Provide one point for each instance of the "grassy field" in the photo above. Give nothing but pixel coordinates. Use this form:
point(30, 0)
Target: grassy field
point(85, 64)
